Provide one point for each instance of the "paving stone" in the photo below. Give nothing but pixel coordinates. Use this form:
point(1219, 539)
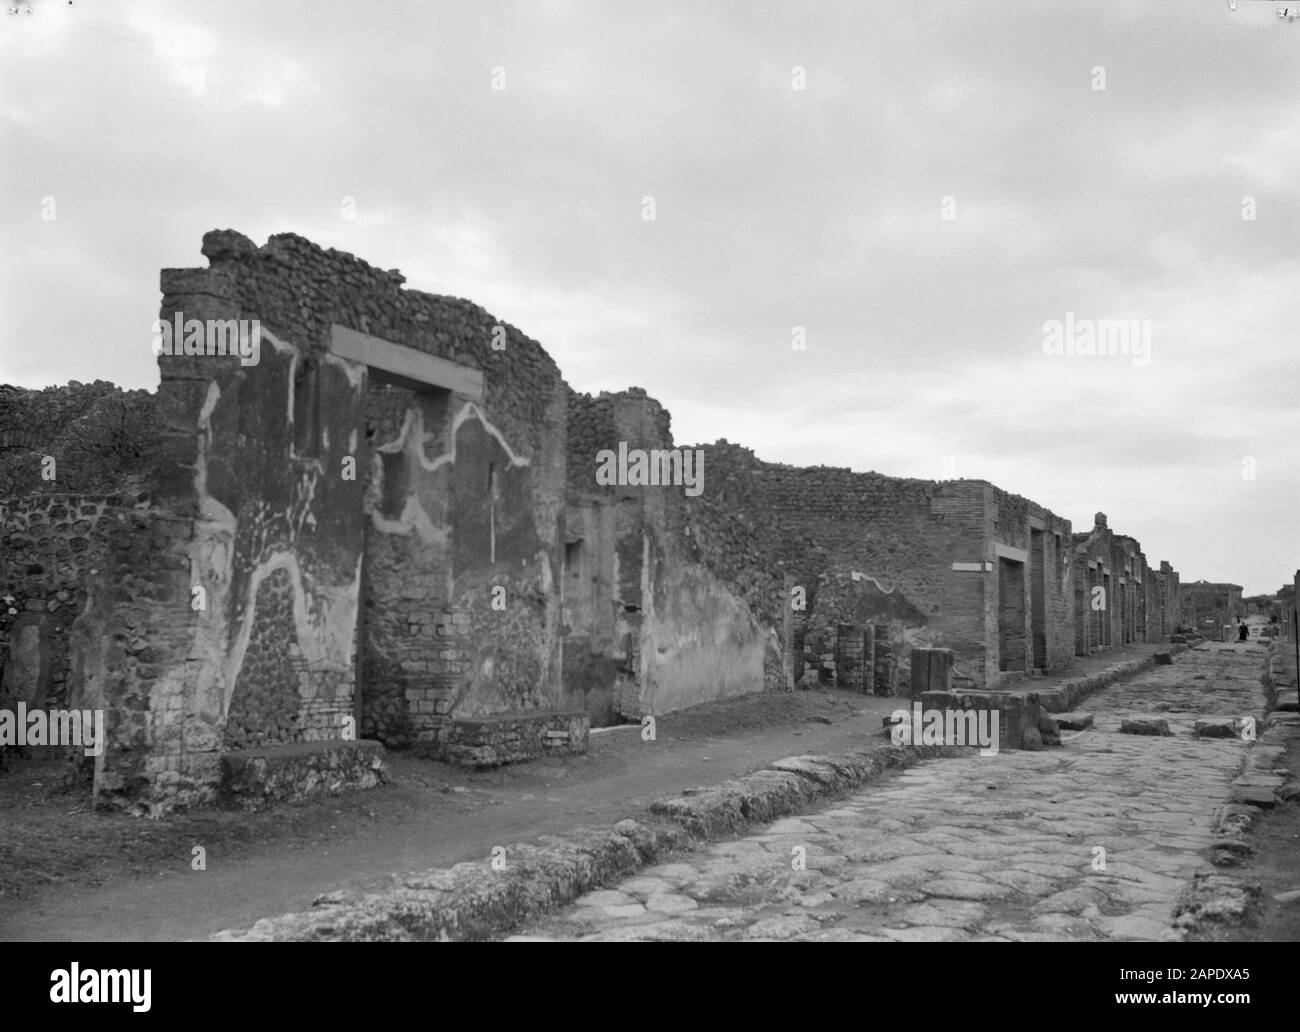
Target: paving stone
point(1216, 728)
point(864, 890)
point(781, 927)
point(670, 903)
point(645, 886)
point(624, 910)
point(604, 898)
point(1260, 779)
point(1149, 726)
point(924, 934)
point(942, 912)
point(993, 850)
point(965, 888)
point(1253, 796)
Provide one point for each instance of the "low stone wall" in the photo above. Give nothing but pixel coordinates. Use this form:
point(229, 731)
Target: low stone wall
point(1064, 697)
point(1020, 712)
point(509, 738)
point(256, 778)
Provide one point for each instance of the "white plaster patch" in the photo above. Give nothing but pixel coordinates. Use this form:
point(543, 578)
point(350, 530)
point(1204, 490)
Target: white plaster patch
point(276, 342)
point(355, 371)
point(325, 638)
point(864, 577)
point(411, 440)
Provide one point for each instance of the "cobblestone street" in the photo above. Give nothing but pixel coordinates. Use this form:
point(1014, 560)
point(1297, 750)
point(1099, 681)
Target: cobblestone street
point(1090, 841)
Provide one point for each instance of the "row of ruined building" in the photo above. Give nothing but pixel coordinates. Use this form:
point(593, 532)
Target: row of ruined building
point(391, 528)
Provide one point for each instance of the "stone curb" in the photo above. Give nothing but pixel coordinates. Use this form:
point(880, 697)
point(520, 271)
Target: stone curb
point(1213, 897)
point(787, 785)
point(1064, 697)
point(472, 901)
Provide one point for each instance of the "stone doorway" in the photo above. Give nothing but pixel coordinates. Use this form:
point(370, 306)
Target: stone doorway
point(1038, 598)
point(1011, 615)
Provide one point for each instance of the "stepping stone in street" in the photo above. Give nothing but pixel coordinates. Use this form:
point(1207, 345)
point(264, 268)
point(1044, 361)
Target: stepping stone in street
point(1253, 796)
point(1163, 659)
point(1145, 727)
point(1261, 779)
point(1073, 721)
point(1217, 727)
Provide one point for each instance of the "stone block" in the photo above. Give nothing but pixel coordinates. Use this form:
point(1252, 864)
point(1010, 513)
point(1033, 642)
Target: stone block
point(1158, 727)
point(1018, 712)
point(1253, 795)
point(499, 739)
point(1216, 728)
point(1077, 721)
point(257, 778)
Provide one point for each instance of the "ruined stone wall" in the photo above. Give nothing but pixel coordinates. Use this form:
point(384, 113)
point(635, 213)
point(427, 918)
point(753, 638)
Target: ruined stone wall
point(52, 547)
point(266, 474)
point(866, 550)
point(78, 438)
point(463, 498)
point(1132, 565)
point(1206, 606)
point(1093, 570)
point(1170, 599)
point(1141, 603)
point(1019, 525)
point(650, 627)
point(132, 655)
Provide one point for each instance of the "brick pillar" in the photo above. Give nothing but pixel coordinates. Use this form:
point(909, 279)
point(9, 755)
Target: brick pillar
point(849, 642)
point(826, 657)
point(886, 675)
point(868, 659)
point(798, 642)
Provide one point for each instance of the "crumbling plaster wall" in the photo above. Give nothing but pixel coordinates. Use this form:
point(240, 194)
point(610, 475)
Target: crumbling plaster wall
point(650, 627)
point(52, 546)
point(255, 507)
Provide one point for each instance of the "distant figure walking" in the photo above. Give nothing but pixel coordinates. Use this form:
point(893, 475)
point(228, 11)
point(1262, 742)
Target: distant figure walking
point(1243, 632)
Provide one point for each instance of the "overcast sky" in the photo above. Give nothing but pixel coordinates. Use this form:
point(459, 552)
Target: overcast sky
point(774, 208)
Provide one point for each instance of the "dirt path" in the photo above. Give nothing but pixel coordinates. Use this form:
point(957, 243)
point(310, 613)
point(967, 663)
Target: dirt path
point(69, 873)
point(430, 816)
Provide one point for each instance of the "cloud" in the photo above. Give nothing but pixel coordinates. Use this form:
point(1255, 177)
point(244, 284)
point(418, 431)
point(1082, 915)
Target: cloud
point(775, 208)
